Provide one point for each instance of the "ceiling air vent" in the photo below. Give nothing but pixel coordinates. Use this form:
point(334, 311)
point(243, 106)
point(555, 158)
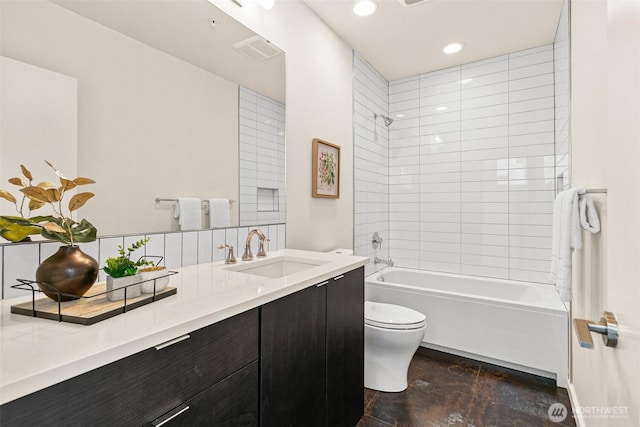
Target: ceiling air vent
point(411, 2)
point(257, 48)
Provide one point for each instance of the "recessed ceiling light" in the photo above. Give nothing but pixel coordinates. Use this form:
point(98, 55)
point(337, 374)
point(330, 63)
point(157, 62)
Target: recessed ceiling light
point(365, 7)
point(441, 108)
point(453, 48)
point(465, 81)
point(400, 116)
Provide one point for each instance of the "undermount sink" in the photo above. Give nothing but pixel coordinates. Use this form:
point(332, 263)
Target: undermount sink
point(277, 267)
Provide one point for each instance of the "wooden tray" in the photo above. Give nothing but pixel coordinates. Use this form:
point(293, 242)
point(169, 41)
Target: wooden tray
point(90, 309)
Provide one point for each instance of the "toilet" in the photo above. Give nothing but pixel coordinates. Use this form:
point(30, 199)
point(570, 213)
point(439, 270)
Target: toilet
point(392, 334)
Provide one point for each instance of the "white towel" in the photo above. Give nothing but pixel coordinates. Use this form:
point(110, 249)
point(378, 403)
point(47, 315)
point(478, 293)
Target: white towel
point(566, 237)
point(588, 214)
point(189, 213)
point(219, 213)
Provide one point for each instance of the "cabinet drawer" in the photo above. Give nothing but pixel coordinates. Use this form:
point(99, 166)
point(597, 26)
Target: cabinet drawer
point(234, 401)
point(141, 387)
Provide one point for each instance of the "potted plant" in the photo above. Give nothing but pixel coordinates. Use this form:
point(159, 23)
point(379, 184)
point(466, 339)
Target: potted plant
point(154, 278)
point(123, 272)
point(69, 271)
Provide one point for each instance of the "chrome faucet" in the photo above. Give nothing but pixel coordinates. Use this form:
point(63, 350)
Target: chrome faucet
point(248, 256)
point(389, 261)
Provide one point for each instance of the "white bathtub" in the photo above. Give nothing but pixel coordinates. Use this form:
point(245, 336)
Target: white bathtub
point(519, 325)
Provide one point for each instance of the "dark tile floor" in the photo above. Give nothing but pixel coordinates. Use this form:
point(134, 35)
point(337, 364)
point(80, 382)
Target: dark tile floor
point(447, 390)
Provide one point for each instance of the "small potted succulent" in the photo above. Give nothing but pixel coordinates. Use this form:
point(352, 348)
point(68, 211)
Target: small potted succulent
point(123, 272)
point(154, 278)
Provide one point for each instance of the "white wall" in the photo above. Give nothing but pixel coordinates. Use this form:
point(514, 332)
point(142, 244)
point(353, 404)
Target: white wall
point(149, 124)
point(319, 105)
point(38, 121)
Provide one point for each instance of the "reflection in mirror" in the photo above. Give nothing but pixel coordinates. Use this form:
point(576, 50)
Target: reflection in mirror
point(158, 88)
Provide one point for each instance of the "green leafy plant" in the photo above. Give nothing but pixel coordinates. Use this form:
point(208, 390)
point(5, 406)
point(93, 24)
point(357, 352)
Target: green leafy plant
point(59, 227)
point(122, 265)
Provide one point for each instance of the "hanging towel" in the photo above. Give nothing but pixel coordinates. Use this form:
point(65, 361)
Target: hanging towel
point(566, 237)
point(588, 214)
point(189, 213)
point(219, 213)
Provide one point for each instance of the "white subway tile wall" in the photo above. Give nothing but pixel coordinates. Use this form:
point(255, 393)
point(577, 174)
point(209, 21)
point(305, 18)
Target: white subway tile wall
point(471, 163)
point(371, 162)
point(262, 159)
point(178, 249)
point(477, 168)
point(561, 60)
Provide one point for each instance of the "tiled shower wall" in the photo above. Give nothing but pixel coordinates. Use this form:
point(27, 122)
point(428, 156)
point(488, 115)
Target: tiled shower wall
point(472, 167)
point(179, 249)
point(262, 159)
point(371, 162)
point(561, 61)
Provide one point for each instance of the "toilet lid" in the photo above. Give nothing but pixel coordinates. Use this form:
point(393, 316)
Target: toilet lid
point(391, 316)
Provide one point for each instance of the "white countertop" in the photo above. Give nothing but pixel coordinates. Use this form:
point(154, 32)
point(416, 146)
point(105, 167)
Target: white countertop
point(37, 353)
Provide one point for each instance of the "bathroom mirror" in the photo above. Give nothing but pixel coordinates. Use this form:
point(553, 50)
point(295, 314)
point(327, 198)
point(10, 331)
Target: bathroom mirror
point(160, 85)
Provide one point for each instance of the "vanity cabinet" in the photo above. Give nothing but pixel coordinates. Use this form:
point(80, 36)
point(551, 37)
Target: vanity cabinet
point(312, 355)
point(199, 368)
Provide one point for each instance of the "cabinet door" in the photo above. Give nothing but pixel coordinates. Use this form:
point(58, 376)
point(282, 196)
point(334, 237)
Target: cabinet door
point(139, 388)
point(345, 349)
point(232, 402)
point(293, 371)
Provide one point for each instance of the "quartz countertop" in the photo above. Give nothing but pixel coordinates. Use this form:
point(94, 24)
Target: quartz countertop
point(37, 353)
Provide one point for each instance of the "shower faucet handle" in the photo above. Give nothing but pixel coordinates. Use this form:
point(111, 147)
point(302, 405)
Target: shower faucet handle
point(376, 241)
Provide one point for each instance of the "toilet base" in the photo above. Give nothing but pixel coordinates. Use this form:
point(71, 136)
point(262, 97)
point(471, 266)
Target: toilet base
point(387, 357)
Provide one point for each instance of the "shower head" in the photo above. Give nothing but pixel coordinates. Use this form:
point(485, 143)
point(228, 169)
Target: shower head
point(387, 120)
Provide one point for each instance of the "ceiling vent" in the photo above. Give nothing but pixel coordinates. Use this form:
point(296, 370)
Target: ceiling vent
point(411, 2)
point(257, 48)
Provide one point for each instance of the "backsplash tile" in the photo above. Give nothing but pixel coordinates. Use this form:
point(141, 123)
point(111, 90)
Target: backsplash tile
point(177, 248)
point(189, 248)
point(205, 246)
point(19, 262)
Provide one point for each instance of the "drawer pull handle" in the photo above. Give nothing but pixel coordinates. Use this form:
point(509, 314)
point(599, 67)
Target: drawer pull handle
point(322, 284)
point(338, 277)
point(172, 342)
point(170, 415)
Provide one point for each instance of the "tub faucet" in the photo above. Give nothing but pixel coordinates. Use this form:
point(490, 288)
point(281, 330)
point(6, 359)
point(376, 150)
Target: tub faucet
point(248, 256)
point(389, 261)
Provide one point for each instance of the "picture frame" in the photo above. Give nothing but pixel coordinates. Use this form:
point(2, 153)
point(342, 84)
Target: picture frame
point(325, 180)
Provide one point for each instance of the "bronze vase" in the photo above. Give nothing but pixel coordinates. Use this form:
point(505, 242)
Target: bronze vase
point(70, 271)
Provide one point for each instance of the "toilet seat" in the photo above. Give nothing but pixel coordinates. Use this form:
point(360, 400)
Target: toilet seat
point(389, 316)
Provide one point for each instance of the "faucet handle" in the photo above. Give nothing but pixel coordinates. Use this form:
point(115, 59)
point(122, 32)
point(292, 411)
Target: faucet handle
point(230, 259)
point(261, 252)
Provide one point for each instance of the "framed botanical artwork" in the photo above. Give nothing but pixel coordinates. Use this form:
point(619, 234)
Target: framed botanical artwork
point(325, 170)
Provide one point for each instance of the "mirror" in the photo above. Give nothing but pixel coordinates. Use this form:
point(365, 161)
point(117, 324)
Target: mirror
point(164, 105)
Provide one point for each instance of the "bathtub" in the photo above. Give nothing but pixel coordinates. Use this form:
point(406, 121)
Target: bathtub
point(519, 325)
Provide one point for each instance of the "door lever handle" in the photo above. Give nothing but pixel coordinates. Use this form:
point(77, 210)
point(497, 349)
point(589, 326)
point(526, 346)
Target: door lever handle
point(607, 327)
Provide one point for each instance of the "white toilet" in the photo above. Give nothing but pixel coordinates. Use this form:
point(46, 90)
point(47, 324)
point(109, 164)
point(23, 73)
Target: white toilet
point(392, 335)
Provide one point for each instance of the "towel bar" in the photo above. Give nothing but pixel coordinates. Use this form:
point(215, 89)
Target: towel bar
point(160, 199)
